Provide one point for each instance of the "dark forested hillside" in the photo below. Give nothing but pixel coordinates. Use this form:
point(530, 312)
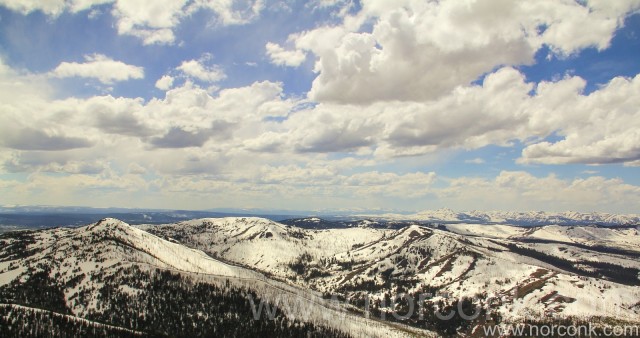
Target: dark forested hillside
point(162, 304)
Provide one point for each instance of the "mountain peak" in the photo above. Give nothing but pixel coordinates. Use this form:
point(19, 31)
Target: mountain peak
point(108, 223)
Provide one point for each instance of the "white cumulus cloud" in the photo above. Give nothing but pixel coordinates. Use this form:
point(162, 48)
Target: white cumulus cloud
point(599, 128)
point(51, 7)
point(100, 67)
point(421, 50)
point(165, 82)
point(282, 57)
point(197, 70)
point(152, 21)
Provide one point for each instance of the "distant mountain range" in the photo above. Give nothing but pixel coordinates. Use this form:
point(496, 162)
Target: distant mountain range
point(528, 218)
point(15, 217)
point(19, 217)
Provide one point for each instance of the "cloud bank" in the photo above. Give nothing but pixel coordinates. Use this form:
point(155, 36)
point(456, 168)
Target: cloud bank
point(393, 84)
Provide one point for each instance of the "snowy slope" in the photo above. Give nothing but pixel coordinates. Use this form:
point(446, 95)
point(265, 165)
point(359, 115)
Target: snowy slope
point(526, 268)
point(486, 230)
point(263, 244)
point(545, 272)
point(160, 252)
point(627, 238)
point(82, 260)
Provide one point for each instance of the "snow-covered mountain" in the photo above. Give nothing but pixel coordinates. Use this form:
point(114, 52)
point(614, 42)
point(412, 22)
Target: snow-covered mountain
point(529, 218)
point(262, 244)
point(544, 273)
point(133, 281)
point(182, 278)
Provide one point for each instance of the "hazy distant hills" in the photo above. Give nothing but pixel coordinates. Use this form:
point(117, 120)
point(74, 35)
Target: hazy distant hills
point(529, 218)
point(16, 217)
point(20, 217)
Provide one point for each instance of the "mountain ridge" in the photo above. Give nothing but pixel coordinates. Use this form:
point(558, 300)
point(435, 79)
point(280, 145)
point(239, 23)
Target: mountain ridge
point(88, 271)
point(458, 259)
point(524, 218)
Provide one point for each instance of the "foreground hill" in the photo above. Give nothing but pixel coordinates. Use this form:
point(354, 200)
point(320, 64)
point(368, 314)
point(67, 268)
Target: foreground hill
point(244, 276)
point(112, 279)
point(509, 274)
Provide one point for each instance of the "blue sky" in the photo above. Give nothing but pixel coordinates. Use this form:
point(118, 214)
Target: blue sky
point(321, 105)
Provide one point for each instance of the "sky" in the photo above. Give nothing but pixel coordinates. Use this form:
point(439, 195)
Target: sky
point(321, 105)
